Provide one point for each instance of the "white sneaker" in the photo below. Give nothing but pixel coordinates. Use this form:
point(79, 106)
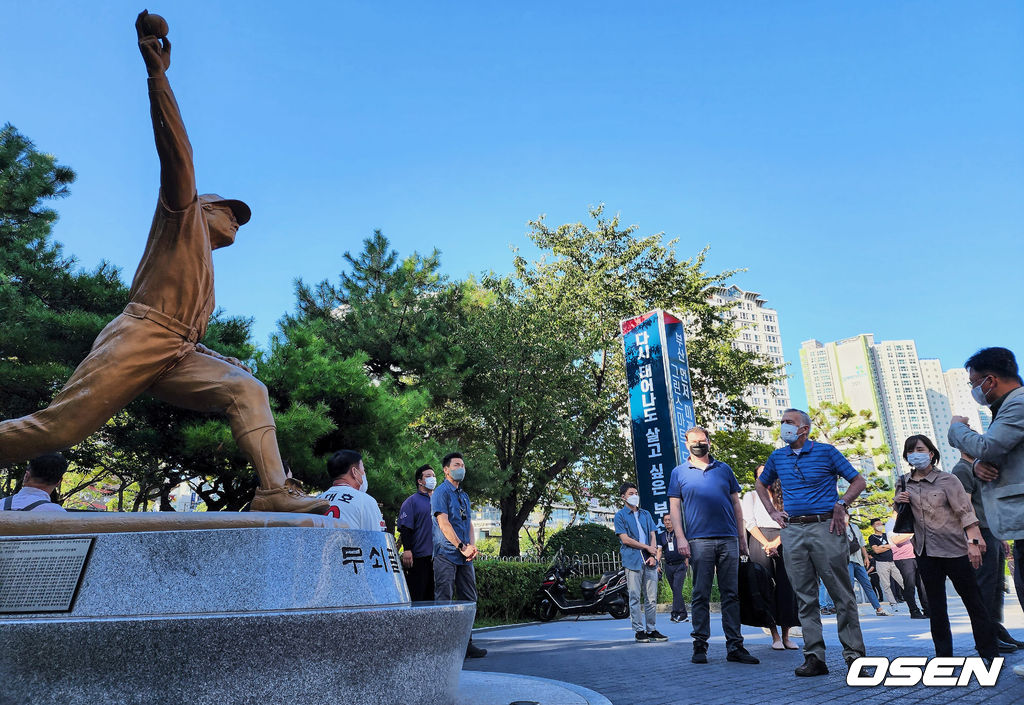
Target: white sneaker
point(1019, 670)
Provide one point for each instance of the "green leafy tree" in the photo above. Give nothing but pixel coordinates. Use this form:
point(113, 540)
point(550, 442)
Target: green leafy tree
point(544, 386)
point(742, 452)
point(838, 424)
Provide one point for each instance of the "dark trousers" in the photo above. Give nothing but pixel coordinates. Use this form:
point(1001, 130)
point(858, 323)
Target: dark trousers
point(449, 578)
point(708, 557)
point(934, 572)
point(676, 575)
point(421, 579)
point(1018, 570)
point(990, 576)
point(912, 585)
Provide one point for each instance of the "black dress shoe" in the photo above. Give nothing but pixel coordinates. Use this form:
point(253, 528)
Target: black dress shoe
point(700, 653)
point(918, 614)
point(474, 651)
point(741, 655)
point(1005, 648)
point(1005, 636)
point(813, 666)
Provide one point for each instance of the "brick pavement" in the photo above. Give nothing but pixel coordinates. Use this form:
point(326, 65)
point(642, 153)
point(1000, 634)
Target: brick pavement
point(599, 653)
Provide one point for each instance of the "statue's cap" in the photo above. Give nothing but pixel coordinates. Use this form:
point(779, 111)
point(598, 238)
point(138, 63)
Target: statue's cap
point(242, 212)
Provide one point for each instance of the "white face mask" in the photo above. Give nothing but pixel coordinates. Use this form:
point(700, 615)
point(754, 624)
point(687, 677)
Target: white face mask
point(633, 500)
point(789, 433)
point(919, 460)
point(365, 484)
point(979, 394)
point(430, 482)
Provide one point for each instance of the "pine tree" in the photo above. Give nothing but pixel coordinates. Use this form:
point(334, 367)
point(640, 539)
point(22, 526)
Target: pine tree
point(51, 310)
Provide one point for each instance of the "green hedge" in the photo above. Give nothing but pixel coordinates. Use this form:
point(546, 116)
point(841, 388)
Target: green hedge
point(583, 539)
point(505, 589)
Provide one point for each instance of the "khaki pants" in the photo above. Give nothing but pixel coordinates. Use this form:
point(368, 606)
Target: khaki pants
point(886, 573)
point(131, 356)
point(813, 552)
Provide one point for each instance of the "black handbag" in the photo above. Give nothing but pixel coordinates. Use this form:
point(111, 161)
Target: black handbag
point(756, 595)
point(904, 523)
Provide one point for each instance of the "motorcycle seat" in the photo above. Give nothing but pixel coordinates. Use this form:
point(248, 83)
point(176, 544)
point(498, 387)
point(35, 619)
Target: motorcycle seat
point(592, 585)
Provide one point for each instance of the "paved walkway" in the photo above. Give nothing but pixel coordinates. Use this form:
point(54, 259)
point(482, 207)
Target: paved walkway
point(599, 653)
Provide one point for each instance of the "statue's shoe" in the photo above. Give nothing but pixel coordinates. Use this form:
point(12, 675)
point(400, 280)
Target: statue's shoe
point(286, 499)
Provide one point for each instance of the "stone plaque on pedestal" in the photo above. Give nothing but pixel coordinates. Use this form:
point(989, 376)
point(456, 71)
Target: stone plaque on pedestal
point(41, 575)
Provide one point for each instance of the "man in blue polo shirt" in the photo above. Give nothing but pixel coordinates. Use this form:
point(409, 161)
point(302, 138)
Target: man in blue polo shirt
point(707, 491)
point(813, 525)
point(454, 550)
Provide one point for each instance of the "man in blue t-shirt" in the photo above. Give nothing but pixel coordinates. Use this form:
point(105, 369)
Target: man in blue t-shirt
point(416, 527)
point(813, 524)
point(707, 492)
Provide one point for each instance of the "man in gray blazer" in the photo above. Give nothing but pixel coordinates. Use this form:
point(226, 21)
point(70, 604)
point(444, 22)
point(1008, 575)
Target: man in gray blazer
point(998, 453)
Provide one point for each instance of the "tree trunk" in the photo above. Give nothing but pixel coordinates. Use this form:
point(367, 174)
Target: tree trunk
point(510, 526)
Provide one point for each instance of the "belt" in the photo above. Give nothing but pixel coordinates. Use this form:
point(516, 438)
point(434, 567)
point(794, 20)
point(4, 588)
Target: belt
point(191, 334)
point(809, 518)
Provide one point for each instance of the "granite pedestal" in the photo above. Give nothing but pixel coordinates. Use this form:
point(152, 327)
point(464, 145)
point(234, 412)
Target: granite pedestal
point(253, 615)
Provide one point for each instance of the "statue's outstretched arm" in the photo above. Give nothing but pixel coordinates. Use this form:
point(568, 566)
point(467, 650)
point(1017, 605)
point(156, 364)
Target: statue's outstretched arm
point(177, 173)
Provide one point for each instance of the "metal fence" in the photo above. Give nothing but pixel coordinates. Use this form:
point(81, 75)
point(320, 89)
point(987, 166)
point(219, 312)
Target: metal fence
point(590, 563)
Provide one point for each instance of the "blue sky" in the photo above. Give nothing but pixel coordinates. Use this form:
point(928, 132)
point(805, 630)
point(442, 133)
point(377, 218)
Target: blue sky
point(864, 161)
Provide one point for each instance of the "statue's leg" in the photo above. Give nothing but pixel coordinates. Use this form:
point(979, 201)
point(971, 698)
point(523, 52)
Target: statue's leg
point(125, 359)
point(204, 383)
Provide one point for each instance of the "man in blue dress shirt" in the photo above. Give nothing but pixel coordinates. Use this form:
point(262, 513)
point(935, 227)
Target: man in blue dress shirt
point(707, 491)
point(640, 557)
point(454, 549)
point(813, 525)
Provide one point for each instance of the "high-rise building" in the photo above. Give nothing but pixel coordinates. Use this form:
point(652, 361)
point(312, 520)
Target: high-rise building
point(905, 404)
point(758, 332)
point(844, 371)
point(941, 406)
point(958, 387)
point(906, 395)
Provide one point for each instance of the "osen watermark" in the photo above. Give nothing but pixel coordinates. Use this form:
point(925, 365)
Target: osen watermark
point(911, 670)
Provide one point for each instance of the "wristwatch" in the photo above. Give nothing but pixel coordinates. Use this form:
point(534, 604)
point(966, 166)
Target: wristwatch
point(842, 503)
point(976, 542)
point(461, 545)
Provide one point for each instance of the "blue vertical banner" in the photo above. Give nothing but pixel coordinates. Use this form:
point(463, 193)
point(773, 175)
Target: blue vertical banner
point(680, 392)
point(660, 402)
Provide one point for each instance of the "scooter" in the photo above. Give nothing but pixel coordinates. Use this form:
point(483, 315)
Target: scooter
point(607, 594)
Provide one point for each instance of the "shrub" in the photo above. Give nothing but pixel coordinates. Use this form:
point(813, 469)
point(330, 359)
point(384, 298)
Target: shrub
point(583, 539)
point(505, 589)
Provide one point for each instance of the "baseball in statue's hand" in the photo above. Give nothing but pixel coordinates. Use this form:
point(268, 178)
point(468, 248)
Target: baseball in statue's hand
point(154, 25)
point(153, 42)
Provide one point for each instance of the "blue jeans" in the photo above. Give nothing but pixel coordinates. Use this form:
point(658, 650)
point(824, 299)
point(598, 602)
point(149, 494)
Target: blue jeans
point(708, 557)
point(824, 599)
point(859, 573)
point(643, 592)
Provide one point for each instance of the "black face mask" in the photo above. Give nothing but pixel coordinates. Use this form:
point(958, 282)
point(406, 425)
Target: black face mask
point(700, 449)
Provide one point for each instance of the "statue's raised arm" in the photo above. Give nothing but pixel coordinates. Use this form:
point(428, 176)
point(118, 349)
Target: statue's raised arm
point(177, 173)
